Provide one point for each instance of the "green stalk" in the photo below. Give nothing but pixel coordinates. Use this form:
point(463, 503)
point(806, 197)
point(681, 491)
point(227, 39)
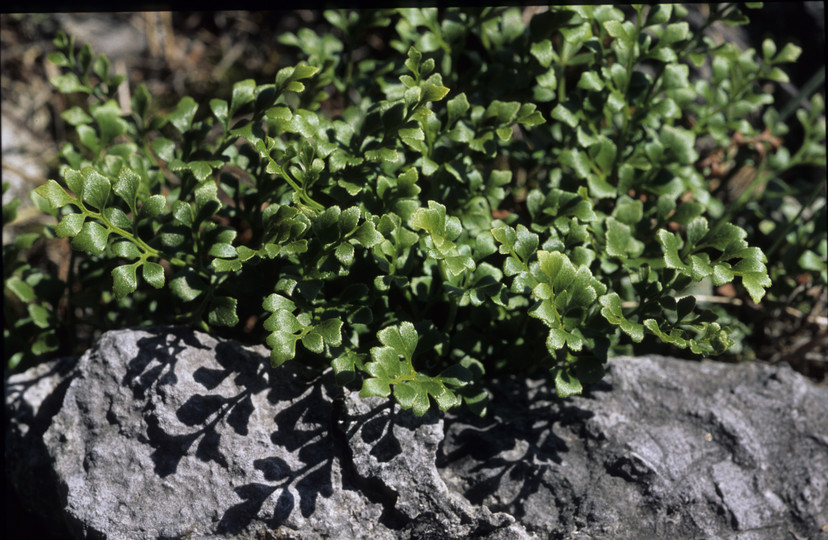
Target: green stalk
point(300, 190)
point(815, 82)
point(795, 221)
point(70, 311)
point(452, 317)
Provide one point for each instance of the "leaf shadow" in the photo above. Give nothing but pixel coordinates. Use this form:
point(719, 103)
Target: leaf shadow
point(155, 366)
point(515, 443)
point(312, 446)
point(378, 428)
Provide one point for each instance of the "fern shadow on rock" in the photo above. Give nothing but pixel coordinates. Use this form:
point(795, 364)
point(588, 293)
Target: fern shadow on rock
point(184, 434)
point(506, 458)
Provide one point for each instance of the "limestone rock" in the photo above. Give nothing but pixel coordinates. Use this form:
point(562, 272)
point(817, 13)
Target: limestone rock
point(32, 399)
point(170, 433)
point(661, 448)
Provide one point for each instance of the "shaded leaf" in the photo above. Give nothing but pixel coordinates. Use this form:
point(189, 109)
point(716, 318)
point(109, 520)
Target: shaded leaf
point(92, 238)
point(70, 225)
point(182, 117)
point(222, 311)
point(566, 383)
point(20, 288)
point(124, 280)
point(188, 286)
point(153, 274)
point(611, 311)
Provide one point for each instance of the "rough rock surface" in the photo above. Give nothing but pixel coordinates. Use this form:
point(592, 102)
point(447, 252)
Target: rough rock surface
point(662, 448)
point(169, 433)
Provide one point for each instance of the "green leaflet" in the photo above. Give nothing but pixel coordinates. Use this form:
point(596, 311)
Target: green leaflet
point(391, 369)
point(221, 311)
point(565, 294)
point(566, 383)
point(91, 238)
point(732, 256)
point(124, 280)
point(56, 195)
point(442, 230)
point(711, 338)
point(154, 274)
point(612, 312)
point(287, 329)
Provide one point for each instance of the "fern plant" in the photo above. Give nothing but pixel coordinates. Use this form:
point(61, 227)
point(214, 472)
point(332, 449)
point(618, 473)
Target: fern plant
point(493, 196)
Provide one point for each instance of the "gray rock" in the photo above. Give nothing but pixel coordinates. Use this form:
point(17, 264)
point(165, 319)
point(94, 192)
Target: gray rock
point(32, 399)
point(170, 433)
point(115, 35)
point(662, 448)
point(398, 453)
